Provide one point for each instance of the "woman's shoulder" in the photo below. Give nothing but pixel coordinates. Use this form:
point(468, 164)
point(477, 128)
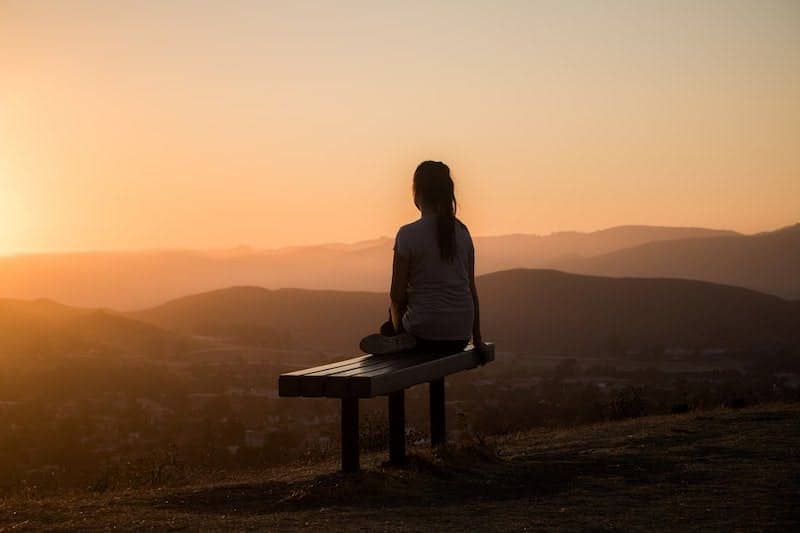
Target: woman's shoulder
point(421, 222)
point(406, 235)
point(410, 227)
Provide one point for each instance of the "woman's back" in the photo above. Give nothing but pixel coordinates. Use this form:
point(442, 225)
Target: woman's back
point(440, 303)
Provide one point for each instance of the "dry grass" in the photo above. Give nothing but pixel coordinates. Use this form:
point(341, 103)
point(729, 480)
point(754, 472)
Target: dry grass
point(719, 470)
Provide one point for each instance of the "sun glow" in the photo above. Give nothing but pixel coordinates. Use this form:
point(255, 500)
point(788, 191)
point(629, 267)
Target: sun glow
point(11, 220)
point(186, 124)
point(6, 214)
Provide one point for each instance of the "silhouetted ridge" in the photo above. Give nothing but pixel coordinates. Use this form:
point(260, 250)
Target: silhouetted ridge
point(766, 262)
point(47, 328)
point(298, 318)
point(528, 311)
point(552, 311)
point(539, 311)
point(134, 280)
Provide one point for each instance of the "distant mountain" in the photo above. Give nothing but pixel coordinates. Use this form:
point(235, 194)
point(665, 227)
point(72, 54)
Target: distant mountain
point(528, 311)
point(45, 328)
point(543, 311)
point(766, 262)
point(537, 311)
point(297, 318)
point(526, 251)
point(134, 280)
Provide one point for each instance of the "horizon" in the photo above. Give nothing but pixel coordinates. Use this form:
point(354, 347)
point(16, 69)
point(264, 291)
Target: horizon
point(135, 126)
point(253, 248)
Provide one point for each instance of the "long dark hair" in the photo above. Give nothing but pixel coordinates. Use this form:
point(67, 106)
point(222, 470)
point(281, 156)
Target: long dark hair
point(433, 188)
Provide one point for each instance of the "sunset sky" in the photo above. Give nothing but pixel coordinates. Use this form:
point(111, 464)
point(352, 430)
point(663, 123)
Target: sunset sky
point(128, 125)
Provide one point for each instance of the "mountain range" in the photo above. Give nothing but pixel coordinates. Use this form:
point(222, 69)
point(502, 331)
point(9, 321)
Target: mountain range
point(523, 310)
point(768, 262)
point(43, 328)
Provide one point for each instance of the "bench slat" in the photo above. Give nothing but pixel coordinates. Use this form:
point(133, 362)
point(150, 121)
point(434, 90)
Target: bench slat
point(391, 367)
point(374, 375)
point(291, 383)
point(315, 369)
point(380, 366)
point(421, 373)
point(338, 385)
point(312, 384)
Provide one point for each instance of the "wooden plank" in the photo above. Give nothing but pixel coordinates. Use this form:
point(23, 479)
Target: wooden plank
point(289, 384)
point(423, 358)
point(338, 386)
point(335, 364)
point(427, 371)
point(310, 381)
point(313, 385)
point(383, 366)
point(355, 364)
point(371, 375)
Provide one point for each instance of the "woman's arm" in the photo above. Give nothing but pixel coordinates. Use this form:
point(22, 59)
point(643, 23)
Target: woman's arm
point(399, 290)
point(476, 324)
point(477, 338)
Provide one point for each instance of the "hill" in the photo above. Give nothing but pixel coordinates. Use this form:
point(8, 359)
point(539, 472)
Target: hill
point(767, 262)
point(541, 311)
point(538, 311)
point(134, 280)
point(528, 251)
point(46, 328)
point(712, 471)
point(300, 318)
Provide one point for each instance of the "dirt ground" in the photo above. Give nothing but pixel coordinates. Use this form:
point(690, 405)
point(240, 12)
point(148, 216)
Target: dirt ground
point(716, 470)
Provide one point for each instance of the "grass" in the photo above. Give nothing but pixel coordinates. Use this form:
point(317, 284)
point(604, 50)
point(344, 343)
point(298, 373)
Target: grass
point(718, 470)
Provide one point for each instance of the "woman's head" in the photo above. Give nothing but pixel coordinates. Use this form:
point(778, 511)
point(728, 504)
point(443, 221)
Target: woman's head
point(434, 192)
point(433, 187)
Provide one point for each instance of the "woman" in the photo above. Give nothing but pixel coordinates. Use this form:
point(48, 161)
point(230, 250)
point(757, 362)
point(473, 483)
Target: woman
point(434, 302)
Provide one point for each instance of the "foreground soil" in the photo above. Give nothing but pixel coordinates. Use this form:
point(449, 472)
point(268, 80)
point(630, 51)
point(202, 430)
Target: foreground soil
point(717, 470)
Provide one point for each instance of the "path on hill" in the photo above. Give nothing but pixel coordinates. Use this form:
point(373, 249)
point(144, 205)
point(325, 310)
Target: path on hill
point(718, 470)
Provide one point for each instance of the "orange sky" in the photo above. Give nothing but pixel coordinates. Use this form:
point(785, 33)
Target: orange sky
point(211, 124)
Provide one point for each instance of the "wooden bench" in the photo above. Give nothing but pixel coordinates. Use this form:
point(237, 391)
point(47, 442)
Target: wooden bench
point(379, 375)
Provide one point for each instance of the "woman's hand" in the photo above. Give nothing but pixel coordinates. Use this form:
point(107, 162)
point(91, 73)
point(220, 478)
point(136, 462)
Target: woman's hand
point(483, 350)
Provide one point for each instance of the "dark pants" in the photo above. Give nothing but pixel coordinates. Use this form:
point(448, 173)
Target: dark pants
point(440, 347)
point(427, 345)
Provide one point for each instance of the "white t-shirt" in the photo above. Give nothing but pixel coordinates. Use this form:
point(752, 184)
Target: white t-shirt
point(439, 296)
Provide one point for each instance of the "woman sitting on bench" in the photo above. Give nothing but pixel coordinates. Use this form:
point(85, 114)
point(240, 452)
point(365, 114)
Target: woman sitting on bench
point(434, 302)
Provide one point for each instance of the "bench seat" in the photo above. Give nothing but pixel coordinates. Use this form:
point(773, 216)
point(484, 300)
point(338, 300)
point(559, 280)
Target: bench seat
point(375, 375)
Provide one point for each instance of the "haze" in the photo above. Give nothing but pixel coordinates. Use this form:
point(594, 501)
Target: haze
point(128, 125)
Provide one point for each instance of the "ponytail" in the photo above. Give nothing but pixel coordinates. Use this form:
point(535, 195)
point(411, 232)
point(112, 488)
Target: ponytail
point(434, 187)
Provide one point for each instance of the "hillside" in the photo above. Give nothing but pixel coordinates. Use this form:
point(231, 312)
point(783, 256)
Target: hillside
point(767, 262)
point(44, 328)
point(536, 311)
point(331, 320)
point(529, 251)
point(135, 280)
point(721, 470)
point(541, 311)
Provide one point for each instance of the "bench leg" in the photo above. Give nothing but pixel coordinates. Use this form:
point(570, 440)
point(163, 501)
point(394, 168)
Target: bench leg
point(438, 434)
point(397, 427)
point(350, 435)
